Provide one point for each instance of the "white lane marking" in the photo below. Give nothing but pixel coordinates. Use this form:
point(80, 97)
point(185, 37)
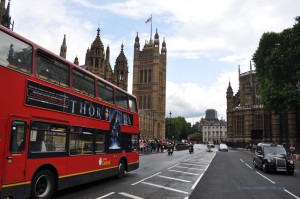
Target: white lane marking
point(196, 174)
point(129, 195)
point(197, 181)
point(248, 166)
point(241, 160)
point(106, 195)
point(265, 177)
point(198, 165)
point(177, 179)
point(186, 197)
point(291, 194)
point(187, 160)
point(146, 178)
point(189, 168)
point(173, 166)
point(167, 188)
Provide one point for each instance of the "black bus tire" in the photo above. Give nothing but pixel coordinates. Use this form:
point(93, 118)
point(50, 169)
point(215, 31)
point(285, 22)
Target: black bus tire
point(43, 185)
point(121, 169)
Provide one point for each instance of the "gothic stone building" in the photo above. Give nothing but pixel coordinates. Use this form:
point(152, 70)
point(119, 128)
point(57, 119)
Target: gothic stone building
point(149, 86)
point(97, 62)
point(5, 19)
point(249, 122)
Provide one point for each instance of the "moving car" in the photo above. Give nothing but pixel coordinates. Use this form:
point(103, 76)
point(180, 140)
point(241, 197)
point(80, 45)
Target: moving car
point(211, 145)
point(223, 147)
point(272, 157)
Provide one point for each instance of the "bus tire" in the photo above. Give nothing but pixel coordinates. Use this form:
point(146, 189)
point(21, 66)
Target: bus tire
point(43, 185)
point(121, 169)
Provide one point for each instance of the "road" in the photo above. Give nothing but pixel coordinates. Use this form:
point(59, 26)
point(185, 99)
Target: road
point(232, 175)
point(199, 175)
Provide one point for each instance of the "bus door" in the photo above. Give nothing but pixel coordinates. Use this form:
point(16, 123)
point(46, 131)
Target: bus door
point(15, 157)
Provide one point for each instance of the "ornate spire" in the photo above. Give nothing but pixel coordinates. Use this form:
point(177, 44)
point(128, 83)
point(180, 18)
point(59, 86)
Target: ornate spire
point(76, 61)
point(63, 48)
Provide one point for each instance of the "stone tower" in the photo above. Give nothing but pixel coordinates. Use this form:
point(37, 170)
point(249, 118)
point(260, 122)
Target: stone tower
point(5, 18)
point(149, 86)
point(97, 62)
point(63, 48)
point(121, 70)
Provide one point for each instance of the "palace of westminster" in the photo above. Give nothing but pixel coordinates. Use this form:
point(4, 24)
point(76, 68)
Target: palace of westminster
point(247, 119)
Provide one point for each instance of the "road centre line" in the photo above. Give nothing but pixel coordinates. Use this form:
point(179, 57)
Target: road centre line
point(177, 179)
point(129, 195)
point(173, 166)
point(167, 188)
point(291, 194)
point(198, 165)
point(189, 168)
point(248, 166)
point(197, 181)
point(195, 174)
point(241, 160)
point(146, 178)
point(106, 195)
point(265, 177)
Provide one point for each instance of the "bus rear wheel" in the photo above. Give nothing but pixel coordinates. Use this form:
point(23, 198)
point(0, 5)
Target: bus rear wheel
point(42, 186)
point(121, 169)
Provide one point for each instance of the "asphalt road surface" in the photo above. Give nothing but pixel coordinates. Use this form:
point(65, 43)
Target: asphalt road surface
point(232, 175)
point(188, 176)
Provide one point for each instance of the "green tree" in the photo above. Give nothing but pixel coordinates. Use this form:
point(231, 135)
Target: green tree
point(177, 127)
point(277, 61)
point(196, 137)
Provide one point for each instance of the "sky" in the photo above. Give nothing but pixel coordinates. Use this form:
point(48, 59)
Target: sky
point(206, 40)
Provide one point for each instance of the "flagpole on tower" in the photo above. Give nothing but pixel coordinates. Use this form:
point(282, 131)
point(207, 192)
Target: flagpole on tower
point(151, 29)
point(150, 20)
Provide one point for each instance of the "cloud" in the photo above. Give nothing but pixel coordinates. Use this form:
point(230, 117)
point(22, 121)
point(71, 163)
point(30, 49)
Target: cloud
point(191, 100)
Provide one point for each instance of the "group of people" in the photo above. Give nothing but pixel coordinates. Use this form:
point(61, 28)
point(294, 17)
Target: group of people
point(155, 146)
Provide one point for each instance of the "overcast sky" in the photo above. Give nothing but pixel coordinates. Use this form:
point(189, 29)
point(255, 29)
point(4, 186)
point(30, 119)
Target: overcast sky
point(206, 40)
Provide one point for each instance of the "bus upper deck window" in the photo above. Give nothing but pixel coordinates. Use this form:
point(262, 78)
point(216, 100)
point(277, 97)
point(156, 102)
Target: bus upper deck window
point(15, 54)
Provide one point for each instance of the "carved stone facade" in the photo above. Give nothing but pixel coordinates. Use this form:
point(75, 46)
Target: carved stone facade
point(149, 86)
point(248, 121)
point(97, 61)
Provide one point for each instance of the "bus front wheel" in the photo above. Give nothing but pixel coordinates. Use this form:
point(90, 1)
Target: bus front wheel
point(121, 169)
point(42, 186)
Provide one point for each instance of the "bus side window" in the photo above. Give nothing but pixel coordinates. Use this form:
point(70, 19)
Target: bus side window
point(17, 139)
point(47, 137)
point(105, 92)
point(121, 99)
point(81, 141)
point(15, 54)
point(99, 142)
point(132, 104)
point(52, 70)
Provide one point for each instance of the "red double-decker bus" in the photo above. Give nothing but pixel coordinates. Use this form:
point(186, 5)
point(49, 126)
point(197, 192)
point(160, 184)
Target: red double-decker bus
point(60, 125)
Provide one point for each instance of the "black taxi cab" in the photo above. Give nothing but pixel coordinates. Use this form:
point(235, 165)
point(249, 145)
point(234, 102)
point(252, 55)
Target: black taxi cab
point(273, 157)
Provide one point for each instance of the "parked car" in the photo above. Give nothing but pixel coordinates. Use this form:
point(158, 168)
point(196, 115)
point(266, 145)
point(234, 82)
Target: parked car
point(211, 145)
point(223, 147)
point(272, 157)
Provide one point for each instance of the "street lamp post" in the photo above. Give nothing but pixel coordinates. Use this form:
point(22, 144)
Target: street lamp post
point(170, 123)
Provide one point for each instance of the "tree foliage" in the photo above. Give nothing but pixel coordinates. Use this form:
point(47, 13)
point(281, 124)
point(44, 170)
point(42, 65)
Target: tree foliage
point(277, 61)
point(179, 128)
